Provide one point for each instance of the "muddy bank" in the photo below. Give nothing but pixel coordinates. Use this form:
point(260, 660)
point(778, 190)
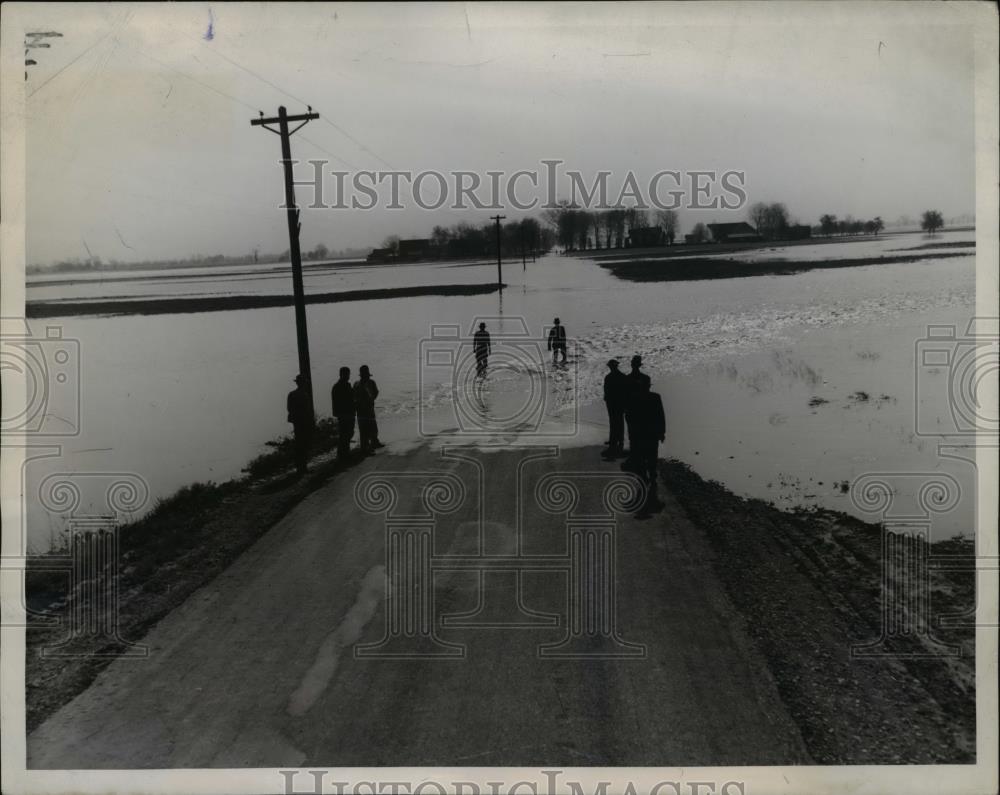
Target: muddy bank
point(810, 587)
point(227, 303)
point(698, 268)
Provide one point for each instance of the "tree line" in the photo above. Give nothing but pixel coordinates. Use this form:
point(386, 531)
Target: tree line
point(930, 221)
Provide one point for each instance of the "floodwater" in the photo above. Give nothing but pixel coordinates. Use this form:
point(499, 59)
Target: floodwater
point(787, 388)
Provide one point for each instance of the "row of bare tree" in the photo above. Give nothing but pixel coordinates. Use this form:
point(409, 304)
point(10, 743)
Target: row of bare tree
point(831, 225)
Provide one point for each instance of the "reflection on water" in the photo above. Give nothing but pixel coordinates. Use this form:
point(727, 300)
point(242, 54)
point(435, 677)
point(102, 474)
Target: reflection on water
point(760, 377)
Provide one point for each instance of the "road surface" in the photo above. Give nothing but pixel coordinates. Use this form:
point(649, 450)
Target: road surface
point(260, 668)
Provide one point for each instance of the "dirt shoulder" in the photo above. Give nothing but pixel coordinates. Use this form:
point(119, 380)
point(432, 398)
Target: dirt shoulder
point(809, 585)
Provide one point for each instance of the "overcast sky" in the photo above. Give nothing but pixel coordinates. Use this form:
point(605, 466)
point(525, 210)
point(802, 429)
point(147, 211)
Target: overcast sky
point(139, 141)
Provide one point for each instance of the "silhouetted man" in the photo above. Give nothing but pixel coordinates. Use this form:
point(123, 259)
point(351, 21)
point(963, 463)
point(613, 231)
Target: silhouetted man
point(557, 340)
point(301, 416)
point(481, 347)
point(648, 428)
point(636, 381)
point(365, 392)
point(616, 388)
point(342, 396)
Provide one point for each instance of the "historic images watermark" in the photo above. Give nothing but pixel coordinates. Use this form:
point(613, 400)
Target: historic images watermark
point(88, 507)
point(955, 367)
point(952, 370)
point(474, 385)
point(547, 782)
point(412, 505)
point(537, 188)
point(49, 363)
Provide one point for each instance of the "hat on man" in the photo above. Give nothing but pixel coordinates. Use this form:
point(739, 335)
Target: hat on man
point(612, 362)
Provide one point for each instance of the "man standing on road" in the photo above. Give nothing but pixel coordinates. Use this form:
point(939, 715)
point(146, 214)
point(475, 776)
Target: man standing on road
point(342, 396)
point(615, 397)
point(637, 380)
point(365, 392)
point(557, 340)
point(301, 417)
point(649, 428)
point(481, 347)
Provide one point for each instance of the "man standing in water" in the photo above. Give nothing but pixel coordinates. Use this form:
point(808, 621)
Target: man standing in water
point(648, 428)
point(342, 396)
point(301, 417)
point(365, 392)
point(615, 397)
point(557, 340)
point(481, 347)
point(636, 381)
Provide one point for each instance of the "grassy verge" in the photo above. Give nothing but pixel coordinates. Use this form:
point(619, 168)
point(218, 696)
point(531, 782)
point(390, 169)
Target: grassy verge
point(179, 546)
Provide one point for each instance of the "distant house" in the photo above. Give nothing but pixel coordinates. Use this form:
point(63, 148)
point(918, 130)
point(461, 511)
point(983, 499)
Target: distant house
point(381, 255)
point(739, 232)
point(645, 237)
point(419, 248)
point(798, 232)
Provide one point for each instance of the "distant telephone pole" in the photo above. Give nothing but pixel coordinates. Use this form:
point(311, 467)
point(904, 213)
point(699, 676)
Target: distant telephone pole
point(498, 219)
point(302, 333)
point(524, 260)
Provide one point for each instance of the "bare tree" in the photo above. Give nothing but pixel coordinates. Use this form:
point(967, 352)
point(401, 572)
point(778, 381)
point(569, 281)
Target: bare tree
point(667, 220)
point(758, 217)
point(700, 233)
point(931, 221)
point(440, 236)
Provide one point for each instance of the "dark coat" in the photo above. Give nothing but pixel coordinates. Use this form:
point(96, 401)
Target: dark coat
point(342, 396)
point(648, 423)
point(298, 408)
point(616, 389)
point(365, 392)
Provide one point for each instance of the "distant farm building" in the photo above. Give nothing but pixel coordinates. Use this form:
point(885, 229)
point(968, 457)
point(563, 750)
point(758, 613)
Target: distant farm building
point(646, 236)
point(798, 232)
point(739, 232)
point(420, 248)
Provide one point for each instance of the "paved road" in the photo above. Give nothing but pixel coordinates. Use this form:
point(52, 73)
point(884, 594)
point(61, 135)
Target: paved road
point(259, 669)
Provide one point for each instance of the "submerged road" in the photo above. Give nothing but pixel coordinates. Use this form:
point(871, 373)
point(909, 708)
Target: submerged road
point(277, 662)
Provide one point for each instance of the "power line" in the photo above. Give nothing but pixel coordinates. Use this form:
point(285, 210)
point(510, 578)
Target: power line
point(67, 66)
point(279, 89)
point(239, 101)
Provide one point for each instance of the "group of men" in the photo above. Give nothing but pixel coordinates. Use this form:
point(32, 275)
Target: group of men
point(629, 399)
point(351, 404)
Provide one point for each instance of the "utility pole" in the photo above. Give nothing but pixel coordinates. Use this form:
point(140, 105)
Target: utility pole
point(302, 333)
point(498, 219)
point(524, 256)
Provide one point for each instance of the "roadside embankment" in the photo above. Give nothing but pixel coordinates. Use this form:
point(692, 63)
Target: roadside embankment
point(183, 543)
point(810, 585)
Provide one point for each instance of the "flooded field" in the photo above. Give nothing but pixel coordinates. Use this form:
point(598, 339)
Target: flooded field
point(782, 387)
